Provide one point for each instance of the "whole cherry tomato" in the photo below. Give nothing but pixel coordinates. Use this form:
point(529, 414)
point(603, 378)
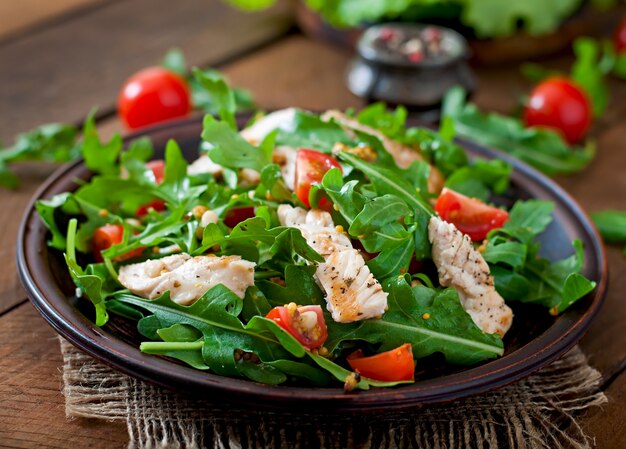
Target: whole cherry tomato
point(559, 104)
point(153, 95)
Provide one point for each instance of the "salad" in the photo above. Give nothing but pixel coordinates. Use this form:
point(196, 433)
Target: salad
point(316, 249)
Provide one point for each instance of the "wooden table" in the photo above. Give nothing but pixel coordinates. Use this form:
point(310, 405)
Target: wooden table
point(58, 59)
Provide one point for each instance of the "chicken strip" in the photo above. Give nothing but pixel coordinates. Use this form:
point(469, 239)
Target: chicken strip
point(463, 268)
point(187, 278)
point(352, 292)
point(402, 154)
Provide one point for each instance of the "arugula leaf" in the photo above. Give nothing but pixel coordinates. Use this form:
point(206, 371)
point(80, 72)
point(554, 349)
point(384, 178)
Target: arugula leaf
point(56, 142)
point(230, 149)
point(481, 178)
point(387, 181)
point(89, 284)
point(221, 95)
point(100, 157)
point(587, 72)
point(299, 285)
point(542, 148)
point(214, 315)
point(440, 151)
point(252, 240)
point(392, 124)
point(310, 131)
point(446, 328)
point(528, 277)
point(611, 224)
point(207, 93)
point(377, 213)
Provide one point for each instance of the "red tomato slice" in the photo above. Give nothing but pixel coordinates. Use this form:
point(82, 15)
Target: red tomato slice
point(236, 216)
point(391, 366)
point(305, 323)
point(108, 235)
point(153, 95)
point(158, 205)
point(158, 169)
point(469, 215)
point(311, 166)
point(559, 104)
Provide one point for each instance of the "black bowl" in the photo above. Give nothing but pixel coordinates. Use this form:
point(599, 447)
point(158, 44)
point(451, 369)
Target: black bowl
point(535, 340)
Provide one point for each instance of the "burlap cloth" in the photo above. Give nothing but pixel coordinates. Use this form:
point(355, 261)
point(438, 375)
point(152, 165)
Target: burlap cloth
point(536, 412)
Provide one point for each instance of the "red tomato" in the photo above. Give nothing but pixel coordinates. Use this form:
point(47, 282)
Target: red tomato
point(158, 205)
point(559, 104)
point(311, 166)
point(236, 216)
point(619, 37)
point(108, 235)
point(469, 215)
point(151, 96)
point(305, 323)
point(158, 169)
point(390, 366)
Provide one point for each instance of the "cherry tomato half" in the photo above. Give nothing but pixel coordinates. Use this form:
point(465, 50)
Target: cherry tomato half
point(311, 166)
point(306, 324)
point(158, 205)
point(619, 37)
point(108, 235)
point(235, 216)
point(469, 215)
point(559, 104)
point(391, 366)
point(153, 95)
point(158, 170)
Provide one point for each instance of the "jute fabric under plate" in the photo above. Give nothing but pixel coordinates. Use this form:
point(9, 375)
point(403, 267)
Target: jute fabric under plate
point(536, 412)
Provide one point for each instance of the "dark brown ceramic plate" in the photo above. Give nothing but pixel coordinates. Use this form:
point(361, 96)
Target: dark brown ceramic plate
point(535, 340)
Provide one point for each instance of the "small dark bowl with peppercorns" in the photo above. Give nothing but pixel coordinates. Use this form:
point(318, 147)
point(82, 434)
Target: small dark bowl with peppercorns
point(410, 64)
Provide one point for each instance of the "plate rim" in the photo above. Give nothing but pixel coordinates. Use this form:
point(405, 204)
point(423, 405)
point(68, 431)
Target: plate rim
point(116, 353)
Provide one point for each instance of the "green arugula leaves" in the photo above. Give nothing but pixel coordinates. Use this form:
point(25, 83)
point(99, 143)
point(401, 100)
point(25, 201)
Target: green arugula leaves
point(544, 149)
point(521, 274)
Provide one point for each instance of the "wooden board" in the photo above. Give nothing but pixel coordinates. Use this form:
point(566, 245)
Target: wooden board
point(62, 72)
point(32, 409)
point(17, 17)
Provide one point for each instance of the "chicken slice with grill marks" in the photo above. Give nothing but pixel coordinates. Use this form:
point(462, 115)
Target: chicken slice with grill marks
point(352, 292)
point(403, 155)
point(187, 278)
point(463, 268)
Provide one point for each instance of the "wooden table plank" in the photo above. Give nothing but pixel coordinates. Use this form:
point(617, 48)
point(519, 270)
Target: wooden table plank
point(60, 73)
point(296, 72)
point(608, 424)
point(23, 15)
point(32, 408)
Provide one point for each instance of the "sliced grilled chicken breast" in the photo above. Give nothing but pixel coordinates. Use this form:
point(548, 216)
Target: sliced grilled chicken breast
point(463, 268)
point(187, 278)
point(403, 155)
point(352, 292)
